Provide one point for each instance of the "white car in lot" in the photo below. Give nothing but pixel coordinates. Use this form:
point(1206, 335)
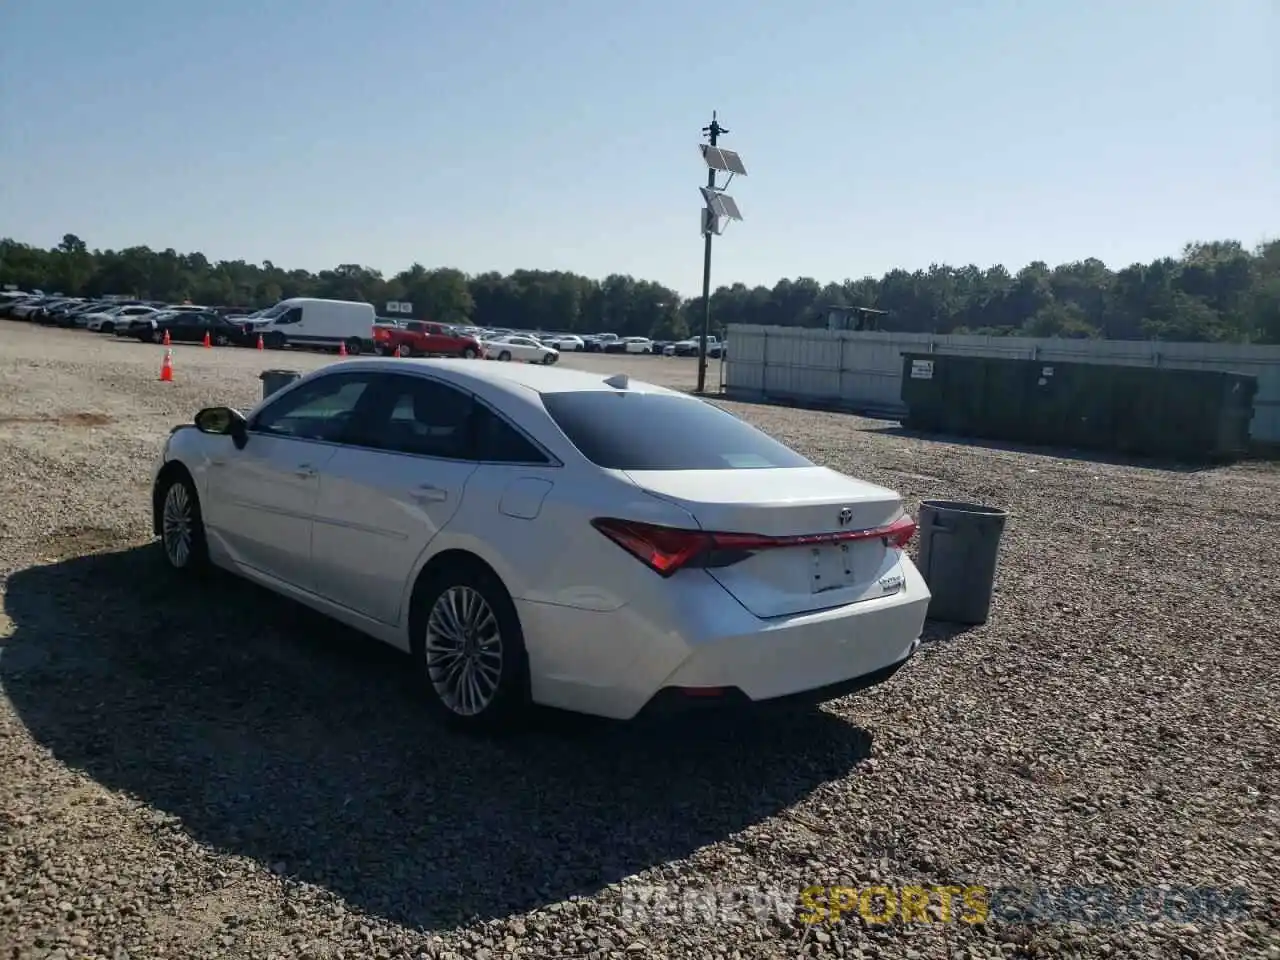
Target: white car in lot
point(547, 535)
point(637, 345)
point(106, 321)
point(566, 343)
point(516, 347)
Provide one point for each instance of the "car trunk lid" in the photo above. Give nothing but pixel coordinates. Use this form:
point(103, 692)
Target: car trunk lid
point(811, 538)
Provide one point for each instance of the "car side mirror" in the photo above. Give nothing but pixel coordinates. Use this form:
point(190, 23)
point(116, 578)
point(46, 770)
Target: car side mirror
point(224, 422)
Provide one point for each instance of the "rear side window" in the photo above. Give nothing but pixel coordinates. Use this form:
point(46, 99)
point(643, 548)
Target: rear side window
point(645, 431)
point(498, 442)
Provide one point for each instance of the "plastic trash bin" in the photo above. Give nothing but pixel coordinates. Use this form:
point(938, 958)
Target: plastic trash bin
point(959, 544)
point(273, 380)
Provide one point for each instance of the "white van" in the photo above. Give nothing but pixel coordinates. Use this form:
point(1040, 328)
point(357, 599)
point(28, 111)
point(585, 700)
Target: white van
point(308, 322)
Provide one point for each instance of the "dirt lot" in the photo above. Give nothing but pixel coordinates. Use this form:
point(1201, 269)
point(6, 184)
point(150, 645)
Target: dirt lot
point(199, 773)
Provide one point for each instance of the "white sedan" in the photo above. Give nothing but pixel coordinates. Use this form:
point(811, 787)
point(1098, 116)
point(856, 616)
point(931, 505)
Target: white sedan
point(568, 343)
point(637, 345)
point(516, 347)
point(107, 320)
point(546, 535)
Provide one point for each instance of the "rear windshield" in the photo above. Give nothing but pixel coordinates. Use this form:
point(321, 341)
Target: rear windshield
point(645, 431)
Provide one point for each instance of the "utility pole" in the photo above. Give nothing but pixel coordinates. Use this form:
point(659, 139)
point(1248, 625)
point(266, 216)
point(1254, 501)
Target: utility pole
point(718, 209)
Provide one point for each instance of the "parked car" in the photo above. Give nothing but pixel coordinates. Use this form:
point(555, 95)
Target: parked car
point(601, 342)
point(637, 345)
point(189, 326)
point(565, 343)
point(689, 347)
point(49, 312)
point(548, 535)
point(421, 338)
point(516, 347)
point(107, 320)
point(68, 315)
point(27, 309)
point(12, 298)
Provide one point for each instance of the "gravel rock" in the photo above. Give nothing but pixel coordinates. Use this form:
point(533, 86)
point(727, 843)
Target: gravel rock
point(216, 773)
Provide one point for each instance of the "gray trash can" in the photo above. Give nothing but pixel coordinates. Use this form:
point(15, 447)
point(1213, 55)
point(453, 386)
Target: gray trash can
point(959, 543)
point(273, 380)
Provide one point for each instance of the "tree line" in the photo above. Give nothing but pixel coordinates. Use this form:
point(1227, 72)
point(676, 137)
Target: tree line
point(1217, 291)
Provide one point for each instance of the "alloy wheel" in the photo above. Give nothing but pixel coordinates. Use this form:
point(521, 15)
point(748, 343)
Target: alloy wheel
point(177, 525)
point(464, 651)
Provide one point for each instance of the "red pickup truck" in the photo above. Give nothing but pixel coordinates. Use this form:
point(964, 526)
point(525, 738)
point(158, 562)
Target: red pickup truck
point(419, 338)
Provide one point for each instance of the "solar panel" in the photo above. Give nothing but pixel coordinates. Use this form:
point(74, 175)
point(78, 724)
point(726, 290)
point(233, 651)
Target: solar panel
point(721, 204)
point(729, 207)
point(732, 162)
point(714, 157)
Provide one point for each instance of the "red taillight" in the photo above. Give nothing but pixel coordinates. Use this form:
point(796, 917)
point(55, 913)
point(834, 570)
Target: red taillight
point(664, 549)
point(899, 533)
point(668, 549)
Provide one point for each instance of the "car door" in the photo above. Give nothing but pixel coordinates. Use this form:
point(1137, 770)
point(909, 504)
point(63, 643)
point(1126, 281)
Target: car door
point(261, 499)
point(386, 495)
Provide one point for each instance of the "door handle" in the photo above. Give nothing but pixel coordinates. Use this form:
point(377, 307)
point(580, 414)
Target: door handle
point(305, 471)
point(217, 463)
point(430, 493)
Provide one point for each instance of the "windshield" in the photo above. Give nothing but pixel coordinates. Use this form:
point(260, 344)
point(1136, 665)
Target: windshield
point(271, 313)
point(647, 431)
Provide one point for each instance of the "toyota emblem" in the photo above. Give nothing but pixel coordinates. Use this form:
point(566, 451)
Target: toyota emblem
point(845, 516)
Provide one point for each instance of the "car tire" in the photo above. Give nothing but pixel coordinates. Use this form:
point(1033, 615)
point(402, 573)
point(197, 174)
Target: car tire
point(404, 350)
point(354, 346)
point(549, 359)
point(504, 355)
point(181, 523)
point(157, 336)
point(464, 619)
point(468, 354)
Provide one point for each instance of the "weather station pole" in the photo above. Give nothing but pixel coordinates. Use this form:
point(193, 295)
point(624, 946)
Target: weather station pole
point(718, 209)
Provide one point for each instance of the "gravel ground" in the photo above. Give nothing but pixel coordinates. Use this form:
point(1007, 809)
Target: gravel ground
point(199, 773)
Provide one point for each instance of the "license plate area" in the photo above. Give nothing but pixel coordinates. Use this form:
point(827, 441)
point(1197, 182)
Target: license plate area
point(831, 567)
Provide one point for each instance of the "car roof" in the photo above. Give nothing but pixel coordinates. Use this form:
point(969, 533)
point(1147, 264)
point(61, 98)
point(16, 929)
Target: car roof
point(516, 380)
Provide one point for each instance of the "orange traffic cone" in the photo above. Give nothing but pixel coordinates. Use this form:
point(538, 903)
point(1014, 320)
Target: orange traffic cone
point(166, 341)
point(166, 368)
point(207, 341)
point(342, 349)
point(261, 345)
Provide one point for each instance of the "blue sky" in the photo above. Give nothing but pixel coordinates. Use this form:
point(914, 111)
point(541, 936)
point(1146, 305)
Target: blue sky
point(497, 135)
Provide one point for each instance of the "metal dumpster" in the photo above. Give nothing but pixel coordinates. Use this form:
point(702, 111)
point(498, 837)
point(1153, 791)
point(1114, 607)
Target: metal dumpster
point(1149, 411)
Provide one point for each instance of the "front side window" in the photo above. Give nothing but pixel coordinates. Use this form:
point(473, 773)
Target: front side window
point(292, 315)
point(323, 409)
point(648, 431)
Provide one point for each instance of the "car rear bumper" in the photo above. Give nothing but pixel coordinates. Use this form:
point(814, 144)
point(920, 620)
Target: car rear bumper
point(676, 701)
point(706, 647)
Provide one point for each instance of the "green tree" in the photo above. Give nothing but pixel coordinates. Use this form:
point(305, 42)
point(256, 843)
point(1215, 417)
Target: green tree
point(1214, 290)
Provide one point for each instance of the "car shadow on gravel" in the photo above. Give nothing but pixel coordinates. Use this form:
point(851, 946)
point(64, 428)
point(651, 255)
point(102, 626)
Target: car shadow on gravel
point(275, 734)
